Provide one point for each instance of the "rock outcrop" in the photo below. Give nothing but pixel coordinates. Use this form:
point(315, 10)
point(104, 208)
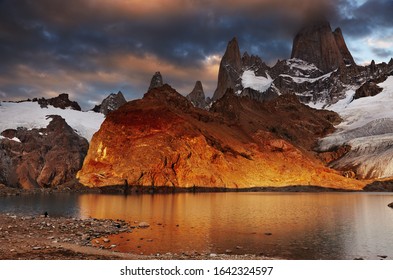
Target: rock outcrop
point(318, 72)
point(43, 158)
point(197, 96)
point(156, 81)
point(230, 70)
point(317, 44)
point(163, 140)
point(110, 103)
point(62, 101)
point(342, 47)
point(369, 88)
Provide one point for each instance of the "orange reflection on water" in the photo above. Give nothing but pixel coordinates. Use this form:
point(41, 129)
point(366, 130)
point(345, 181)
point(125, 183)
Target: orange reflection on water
point(259, 223)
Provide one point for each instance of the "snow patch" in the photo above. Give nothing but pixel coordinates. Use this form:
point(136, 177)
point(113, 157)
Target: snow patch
point(30, 115)
point(301, 64)
point(16, 139)
point(259, 83)
point(359, 112)
point(300, 80)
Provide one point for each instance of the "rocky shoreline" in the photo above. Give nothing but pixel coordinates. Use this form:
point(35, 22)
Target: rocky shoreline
point(7, 191)
point(74, 187)
point(61, 238)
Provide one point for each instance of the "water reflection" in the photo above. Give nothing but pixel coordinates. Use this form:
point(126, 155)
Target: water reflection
point(299, 226)
point(56, 205)
point(288, 225)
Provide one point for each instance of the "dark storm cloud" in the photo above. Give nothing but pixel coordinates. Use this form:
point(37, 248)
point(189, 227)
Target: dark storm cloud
point(373, 16)
point(382, 52)
point(90, 48)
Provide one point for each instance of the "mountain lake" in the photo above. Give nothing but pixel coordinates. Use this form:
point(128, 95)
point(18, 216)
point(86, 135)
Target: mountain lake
point(278, 225)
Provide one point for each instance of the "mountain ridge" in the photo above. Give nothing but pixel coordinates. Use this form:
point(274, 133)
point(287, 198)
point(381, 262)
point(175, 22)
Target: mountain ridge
point(171, 143)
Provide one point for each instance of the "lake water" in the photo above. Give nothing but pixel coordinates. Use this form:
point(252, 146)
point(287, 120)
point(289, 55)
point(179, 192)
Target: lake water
point(284, 225)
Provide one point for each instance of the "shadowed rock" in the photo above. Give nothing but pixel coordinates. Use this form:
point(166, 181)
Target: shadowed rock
point(62, 101)
point(230, 70)
point(156, 81)
point(197, 96)
point(45, 157)
point(317, 44)
point(111, 103)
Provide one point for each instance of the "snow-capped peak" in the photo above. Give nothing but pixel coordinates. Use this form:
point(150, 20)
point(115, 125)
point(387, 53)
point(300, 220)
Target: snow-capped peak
point(30, 115)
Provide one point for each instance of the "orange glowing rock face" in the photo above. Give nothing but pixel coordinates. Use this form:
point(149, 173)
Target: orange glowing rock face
point(162, 140)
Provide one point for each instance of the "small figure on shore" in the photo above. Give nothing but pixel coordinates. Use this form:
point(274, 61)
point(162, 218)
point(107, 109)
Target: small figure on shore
point(46, 214)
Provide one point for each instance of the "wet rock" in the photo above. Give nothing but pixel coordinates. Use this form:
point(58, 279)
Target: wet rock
point(106, 240)
point(143, 225)
point(390, 205)
point(85, 237)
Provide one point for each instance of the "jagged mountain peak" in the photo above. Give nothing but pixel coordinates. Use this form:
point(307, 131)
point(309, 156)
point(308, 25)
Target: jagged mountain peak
point(197, 96)
point(156, 81)
point(317, 44)
point(232, 54)
point(230, 69)
point(342, 46)
point(169, 96)
point(111, 103)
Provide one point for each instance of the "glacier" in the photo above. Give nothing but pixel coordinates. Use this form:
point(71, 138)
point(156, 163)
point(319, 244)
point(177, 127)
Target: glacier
point(367, 127)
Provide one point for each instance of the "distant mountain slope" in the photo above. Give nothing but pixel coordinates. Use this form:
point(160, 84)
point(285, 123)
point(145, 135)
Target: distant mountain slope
point(320, 71)
point(30, 115)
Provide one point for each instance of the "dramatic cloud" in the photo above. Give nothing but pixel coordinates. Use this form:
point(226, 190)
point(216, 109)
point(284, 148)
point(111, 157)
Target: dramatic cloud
point(89, 48)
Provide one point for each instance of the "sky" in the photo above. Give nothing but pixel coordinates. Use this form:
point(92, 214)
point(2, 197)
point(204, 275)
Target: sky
point(91, 48)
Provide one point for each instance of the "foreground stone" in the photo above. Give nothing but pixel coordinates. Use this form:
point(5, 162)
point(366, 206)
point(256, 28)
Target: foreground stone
point(29, 237)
